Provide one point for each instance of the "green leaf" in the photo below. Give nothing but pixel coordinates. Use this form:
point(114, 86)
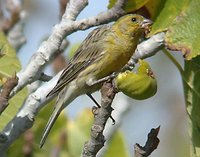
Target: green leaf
point(184, 34)
point(181, 20)
point(117, 146)
point(130, 5)
point(14, 105)
point(170, 11)
point(9, 63)
point(192, 97)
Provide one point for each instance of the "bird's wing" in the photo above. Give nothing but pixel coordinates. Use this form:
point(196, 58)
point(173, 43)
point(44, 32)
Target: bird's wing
point(89, 51)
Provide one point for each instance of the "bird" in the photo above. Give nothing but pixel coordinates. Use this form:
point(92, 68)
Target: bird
point(105, 50)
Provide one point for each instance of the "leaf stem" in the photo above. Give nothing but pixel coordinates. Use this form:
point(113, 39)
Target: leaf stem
point(176, 63)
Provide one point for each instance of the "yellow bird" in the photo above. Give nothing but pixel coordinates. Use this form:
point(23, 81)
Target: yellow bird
point(105, 50)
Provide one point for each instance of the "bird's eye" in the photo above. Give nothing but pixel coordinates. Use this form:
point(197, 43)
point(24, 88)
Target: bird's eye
point(133, 19)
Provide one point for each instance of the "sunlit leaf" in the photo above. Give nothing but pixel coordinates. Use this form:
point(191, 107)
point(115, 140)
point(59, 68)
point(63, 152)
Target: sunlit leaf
point(169, 12)
point(184, 34)
point(9, 63)
point(14, 104)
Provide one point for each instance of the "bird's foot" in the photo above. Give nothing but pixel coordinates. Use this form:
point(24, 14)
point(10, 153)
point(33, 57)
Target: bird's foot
point(99, 106)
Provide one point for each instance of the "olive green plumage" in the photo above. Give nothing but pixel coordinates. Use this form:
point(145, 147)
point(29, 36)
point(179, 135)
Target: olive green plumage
point(105, 50)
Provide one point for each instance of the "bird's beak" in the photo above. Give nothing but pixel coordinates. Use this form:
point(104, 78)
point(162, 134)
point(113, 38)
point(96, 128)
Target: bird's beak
point(146, 23)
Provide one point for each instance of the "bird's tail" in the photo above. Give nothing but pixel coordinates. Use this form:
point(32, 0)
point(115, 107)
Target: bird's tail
point(65, 97)
point(58, 108)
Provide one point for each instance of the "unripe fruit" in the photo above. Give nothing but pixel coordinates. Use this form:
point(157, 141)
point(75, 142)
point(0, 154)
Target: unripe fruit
point(140, 85)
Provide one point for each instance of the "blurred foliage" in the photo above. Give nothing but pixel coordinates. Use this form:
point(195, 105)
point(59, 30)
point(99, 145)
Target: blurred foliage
point(130, 5)
point(56, 140)
point(9, 65)
point(117, 146)
point(192, 97)
point(67, 137)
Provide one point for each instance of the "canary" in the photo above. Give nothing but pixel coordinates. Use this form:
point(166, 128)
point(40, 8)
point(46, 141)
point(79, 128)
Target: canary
point(104, 51)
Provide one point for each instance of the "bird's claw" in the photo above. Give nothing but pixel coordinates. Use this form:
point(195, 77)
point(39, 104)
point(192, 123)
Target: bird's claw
point(98, 106)
point(113, 120)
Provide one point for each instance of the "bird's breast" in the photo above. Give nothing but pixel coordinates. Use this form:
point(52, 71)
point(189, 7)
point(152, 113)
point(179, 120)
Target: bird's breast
point(115, 58)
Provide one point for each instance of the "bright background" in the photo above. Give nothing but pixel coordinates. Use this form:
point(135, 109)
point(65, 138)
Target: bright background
point(166, 108)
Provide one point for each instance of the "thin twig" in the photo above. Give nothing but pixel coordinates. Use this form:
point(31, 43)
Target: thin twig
point(176, 63)
point(7, 88)
point(44, 77)
point(101, 115)
point(150, 146)
point(104, 79)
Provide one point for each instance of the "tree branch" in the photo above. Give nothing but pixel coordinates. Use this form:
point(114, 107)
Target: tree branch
point(101, 115)
point(7, 88)
point(148, 47)
point(67, 26)
point(150, 146)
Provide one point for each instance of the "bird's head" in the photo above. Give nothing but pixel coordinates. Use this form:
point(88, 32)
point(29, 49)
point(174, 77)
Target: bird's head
point(133, 25)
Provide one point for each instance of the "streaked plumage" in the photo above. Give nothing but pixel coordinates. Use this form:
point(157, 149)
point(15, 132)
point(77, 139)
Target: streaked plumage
point(105, 50)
